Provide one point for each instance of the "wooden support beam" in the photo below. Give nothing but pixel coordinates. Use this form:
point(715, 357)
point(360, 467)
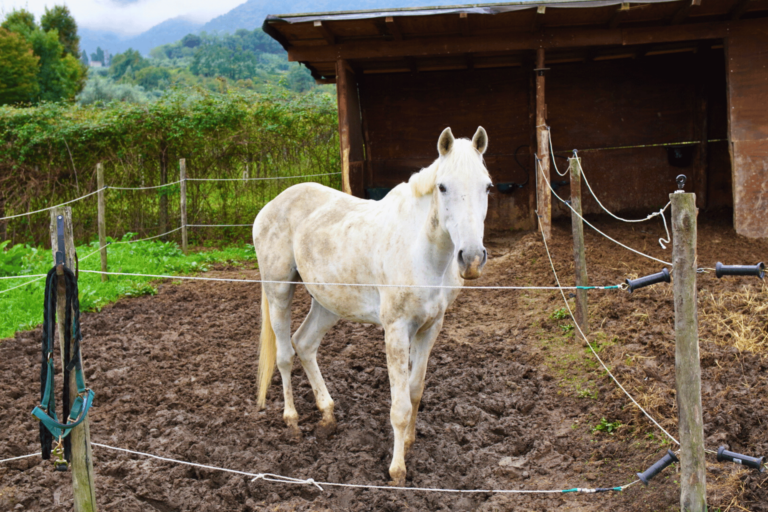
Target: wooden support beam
point(326, 32)
point(544, 196)
point(579, 252)
point(102, 221)
point(693, 478)
point(540, 10)
point(464, 23)
point(350, 129)
point(684, 11)
point(739, 9)
point(393, 28)
point(83, 486)
point(619, 16)
point(546, 38)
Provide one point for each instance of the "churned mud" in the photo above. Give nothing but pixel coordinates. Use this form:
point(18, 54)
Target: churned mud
point(511, 400)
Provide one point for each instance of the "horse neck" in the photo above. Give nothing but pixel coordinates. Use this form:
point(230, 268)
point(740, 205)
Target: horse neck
point(436, 241)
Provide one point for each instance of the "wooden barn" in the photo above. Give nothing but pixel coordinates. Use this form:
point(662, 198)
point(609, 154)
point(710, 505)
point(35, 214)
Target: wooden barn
point(644, 90)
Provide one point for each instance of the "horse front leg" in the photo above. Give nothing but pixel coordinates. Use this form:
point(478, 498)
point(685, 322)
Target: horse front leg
point(420, 350)
point(397, 339)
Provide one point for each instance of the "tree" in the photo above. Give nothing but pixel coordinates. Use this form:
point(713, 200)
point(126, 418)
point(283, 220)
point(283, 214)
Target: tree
point(98, 56)
point(19, 21)
point(127, 62)
point(61, 20)
point(191, 41)
point(61, 75)
point(84, 58)
point(18, 74)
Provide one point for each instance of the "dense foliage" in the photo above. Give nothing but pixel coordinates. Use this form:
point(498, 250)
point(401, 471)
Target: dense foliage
point(48, 155)
point(249, 60)
point(49, 52)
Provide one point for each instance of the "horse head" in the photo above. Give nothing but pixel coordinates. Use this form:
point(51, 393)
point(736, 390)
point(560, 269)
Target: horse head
point(460, 184)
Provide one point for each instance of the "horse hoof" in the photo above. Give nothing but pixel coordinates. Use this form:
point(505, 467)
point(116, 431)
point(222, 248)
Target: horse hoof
point(293, 433)
point(325, 429)
point(398, 478)
point(400, 482)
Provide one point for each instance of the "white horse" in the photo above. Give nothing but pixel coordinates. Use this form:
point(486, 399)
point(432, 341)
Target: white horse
point(427, 232)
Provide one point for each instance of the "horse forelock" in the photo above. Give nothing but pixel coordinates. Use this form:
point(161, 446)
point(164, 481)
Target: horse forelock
point(461, 161)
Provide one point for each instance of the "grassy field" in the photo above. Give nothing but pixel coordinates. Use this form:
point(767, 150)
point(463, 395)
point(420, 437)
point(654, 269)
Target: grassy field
point(22, 305)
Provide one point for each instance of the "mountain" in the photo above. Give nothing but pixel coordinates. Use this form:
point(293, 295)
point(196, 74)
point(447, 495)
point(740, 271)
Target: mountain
point(248, 15)
point(252, 13)
point(166, 32)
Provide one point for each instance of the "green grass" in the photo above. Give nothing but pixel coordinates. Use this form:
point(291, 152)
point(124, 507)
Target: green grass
point(22, 308)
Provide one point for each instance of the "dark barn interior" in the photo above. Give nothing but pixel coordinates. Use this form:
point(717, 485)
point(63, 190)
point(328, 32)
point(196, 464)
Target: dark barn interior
point(644, 91)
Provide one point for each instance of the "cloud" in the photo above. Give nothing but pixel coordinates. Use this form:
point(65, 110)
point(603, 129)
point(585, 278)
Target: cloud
point(126, 17)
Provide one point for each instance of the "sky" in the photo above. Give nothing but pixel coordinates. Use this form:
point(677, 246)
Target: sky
point(126, 17)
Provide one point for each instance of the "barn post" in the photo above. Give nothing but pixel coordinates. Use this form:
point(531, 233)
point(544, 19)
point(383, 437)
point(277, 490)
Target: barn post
point(693, 483)
point(350, 130)
point(544, 197)
point(84, 489)
point(579, 252)
point(102, 213)
point(183, 205)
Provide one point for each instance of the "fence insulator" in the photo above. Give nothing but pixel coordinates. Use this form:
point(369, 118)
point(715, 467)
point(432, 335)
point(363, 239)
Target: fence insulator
point(737, 458)
point(740, 270)
point(658, 467)
point(642, 282)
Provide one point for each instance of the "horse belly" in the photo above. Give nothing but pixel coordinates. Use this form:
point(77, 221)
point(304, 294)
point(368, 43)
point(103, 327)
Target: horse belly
point(357, 304)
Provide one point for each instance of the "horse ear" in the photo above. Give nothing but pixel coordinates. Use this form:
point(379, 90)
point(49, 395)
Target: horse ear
point(445, 142)
point(480, 140)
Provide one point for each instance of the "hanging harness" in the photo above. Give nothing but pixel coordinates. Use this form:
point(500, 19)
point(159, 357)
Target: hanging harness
point(50, 427)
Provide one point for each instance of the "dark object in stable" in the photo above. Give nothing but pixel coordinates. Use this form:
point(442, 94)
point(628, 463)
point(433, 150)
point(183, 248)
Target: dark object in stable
point(740, 270)
point(642, 282)
point(680, 156)
point(508, 188)
point(658, 467)
point(745, 460)
point(377, 193)
point(557, 184)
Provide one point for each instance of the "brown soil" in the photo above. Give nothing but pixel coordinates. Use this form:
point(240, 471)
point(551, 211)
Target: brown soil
point(510, 401)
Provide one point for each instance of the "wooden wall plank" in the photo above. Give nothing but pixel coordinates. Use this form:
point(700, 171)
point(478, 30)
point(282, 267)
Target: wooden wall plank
point(747, 72)
point(350, 128)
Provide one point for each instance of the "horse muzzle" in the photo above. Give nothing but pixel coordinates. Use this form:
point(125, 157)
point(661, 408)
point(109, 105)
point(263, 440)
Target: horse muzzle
point(471, 262)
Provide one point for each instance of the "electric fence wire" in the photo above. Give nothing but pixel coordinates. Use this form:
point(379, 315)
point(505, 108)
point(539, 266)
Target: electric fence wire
point(52, 207)
point(266, 178)
point(662, 241)
point(541, 172)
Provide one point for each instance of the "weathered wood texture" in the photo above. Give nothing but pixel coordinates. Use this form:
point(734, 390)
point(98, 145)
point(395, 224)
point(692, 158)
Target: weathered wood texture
point(83, 485)
point(543, 176)
point(579, 251)
point(350, 128)
point(693, 478)
point(747, 72)
point(604, 104)
point(183, 200)
point(405, 113)
point(102, 209)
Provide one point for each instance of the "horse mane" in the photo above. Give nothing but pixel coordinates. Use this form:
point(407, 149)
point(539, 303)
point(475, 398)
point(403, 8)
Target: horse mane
point(458, 160)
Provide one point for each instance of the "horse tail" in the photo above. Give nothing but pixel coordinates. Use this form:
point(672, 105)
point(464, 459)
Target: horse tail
point(267, 352)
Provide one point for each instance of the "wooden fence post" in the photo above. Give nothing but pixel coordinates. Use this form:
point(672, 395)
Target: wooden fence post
point(693, 483)
point(579, 256)
point(544, 201)
point(83, 486)
point(183, 208)
point(102, 209)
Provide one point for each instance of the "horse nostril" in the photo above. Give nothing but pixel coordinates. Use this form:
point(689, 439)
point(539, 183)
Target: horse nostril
point(485, 255)
point(461, 260)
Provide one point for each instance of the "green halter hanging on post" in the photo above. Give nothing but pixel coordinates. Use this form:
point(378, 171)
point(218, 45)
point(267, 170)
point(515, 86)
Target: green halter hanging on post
point(50, 428)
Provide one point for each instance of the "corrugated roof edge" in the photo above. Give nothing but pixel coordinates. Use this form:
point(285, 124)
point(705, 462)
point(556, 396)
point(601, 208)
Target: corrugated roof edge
point(491, 8)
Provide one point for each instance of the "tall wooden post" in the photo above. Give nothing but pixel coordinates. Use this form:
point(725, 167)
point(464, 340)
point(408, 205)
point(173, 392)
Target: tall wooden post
point(544, 197)
point(579, 256)
point(102, 213)
point(83, 486)
point(183, 206)
point(693, 483)
point(350, 130)
point(163, 191)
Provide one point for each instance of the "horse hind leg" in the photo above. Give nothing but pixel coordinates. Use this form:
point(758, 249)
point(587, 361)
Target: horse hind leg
point(306, 342)
point(280, 297)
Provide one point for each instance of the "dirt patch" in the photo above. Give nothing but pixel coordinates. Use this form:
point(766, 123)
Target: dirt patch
point(510, 402)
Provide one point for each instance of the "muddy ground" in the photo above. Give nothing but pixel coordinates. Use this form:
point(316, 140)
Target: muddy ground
point(511, 398)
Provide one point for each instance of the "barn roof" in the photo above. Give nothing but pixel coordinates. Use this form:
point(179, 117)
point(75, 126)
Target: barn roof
point(500, 34)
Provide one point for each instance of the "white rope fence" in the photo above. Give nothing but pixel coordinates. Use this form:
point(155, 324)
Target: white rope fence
point(52, 207)
point(541, 172)
point(267, 178)
point(275, 478)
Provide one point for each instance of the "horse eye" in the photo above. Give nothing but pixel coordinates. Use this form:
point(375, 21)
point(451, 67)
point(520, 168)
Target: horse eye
point(441, 187)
